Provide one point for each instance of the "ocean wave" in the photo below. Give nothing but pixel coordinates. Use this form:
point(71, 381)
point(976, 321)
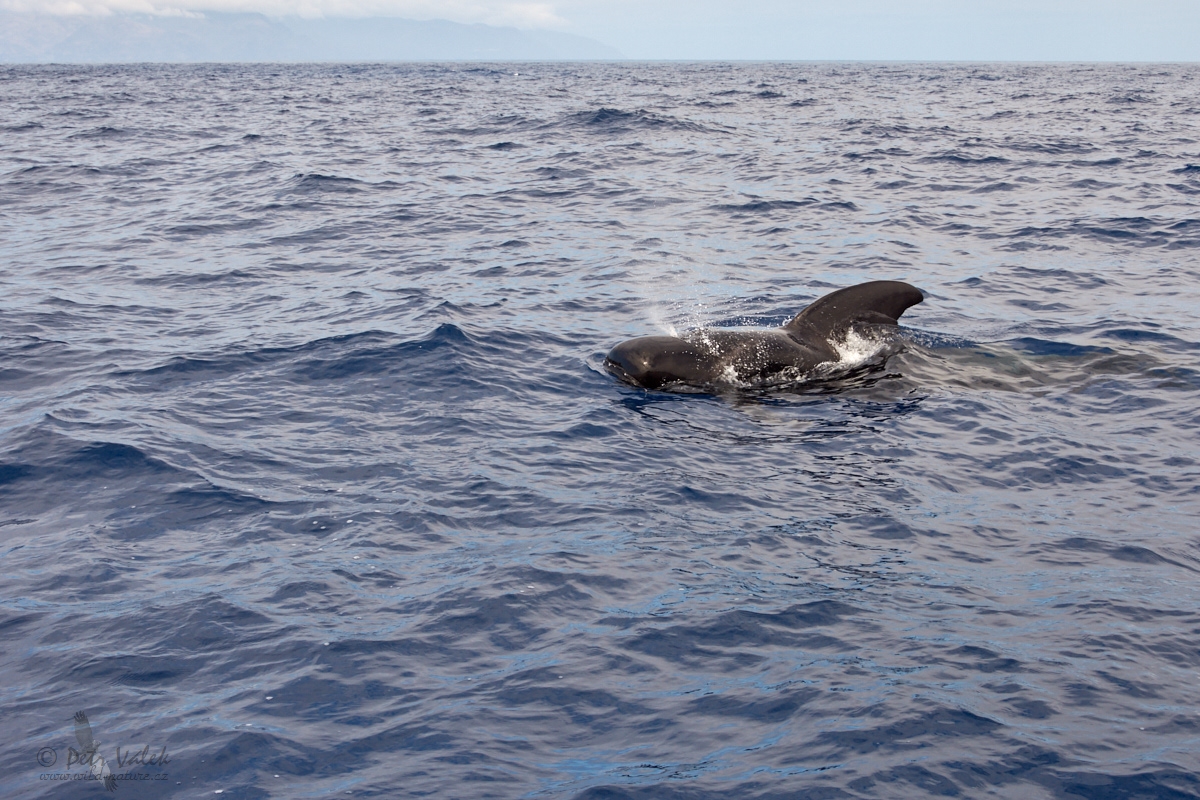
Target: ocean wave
point(614, 120)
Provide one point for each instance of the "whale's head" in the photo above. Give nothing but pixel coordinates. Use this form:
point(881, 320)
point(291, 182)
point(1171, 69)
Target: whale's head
point(653, 361)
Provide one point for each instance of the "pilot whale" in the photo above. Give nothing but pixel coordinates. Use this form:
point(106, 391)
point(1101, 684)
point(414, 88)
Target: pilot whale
point(722, 355)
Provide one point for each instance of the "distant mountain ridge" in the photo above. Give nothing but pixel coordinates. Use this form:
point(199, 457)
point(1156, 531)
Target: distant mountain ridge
point(221, 37)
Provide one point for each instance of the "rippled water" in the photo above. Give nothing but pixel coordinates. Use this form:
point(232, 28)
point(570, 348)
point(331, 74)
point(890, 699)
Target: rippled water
point(311, 472)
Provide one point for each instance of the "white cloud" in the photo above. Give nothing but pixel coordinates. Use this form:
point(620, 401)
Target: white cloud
point(82, 7)
point(491, 12)
point(1033, 30)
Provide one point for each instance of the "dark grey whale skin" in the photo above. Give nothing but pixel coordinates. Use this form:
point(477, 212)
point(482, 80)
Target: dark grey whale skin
point(715, 355)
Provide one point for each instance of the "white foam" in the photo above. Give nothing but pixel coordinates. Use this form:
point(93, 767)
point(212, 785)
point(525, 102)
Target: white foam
point(856, 349)
point(729, 376)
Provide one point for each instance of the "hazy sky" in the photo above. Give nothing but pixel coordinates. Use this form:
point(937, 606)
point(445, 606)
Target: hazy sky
point(1104, 30)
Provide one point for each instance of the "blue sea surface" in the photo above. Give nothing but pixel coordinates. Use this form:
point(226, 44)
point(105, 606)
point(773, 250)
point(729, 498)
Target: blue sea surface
point(312, 478)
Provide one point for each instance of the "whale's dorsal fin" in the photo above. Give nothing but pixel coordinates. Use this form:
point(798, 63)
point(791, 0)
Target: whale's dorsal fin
point(876, 302)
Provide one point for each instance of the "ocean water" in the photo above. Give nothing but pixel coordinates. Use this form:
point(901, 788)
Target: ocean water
point(313, 484)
